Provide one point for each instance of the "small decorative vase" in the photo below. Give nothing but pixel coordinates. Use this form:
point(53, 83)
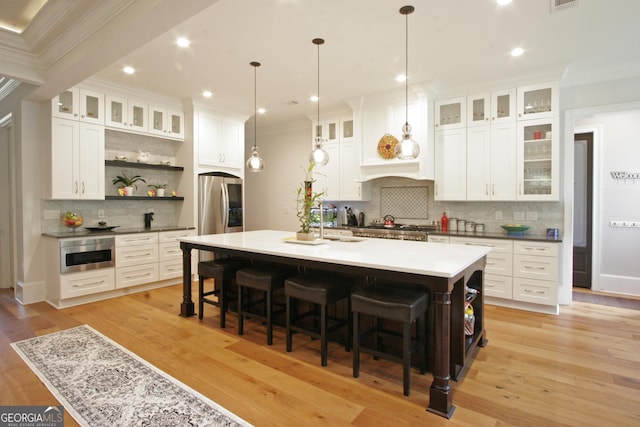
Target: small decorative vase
point(128, 191)
point(160, 192)
point(305, 236)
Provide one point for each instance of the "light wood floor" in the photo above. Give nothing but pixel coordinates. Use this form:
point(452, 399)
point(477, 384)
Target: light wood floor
point(579, 368)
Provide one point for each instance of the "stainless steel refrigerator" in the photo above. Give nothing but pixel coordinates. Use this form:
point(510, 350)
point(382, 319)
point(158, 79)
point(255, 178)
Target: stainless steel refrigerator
point(219, 205)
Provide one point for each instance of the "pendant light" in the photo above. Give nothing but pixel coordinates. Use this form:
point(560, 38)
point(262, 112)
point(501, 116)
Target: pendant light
point(407, 149)
point(255, 162)
point(318, 155)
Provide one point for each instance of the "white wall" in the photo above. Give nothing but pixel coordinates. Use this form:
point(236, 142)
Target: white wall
point(5, 197)
point(617, 268)
point(270, 195)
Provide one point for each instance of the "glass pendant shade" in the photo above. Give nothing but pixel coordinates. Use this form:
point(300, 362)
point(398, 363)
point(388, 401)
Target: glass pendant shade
point(255, 162)
point(319, 155)
point(407, 149)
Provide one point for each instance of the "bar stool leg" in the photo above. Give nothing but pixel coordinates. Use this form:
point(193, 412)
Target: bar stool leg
point(200, 292)
point(406, 357)
point(269, 326)
point(289, 331)
point(323, 334)
point(422, 343)
point(222, 303)
point(347, 345)
point(240, 308)
point(356, 346)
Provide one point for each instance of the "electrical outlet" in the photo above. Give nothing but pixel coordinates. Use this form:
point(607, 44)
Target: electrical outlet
point(531, 216)
point(498, 215)
point(518, 216)
point(100, 213)
point(624, 224)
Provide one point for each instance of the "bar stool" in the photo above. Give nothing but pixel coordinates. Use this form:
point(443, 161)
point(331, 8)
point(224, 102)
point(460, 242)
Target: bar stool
point(265, 278)
point(320, 290)
point(397, 303)
point(223, 272)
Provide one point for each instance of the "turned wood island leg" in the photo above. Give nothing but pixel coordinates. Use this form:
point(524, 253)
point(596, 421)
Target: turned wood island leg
point(440, 396)
point(187, 307)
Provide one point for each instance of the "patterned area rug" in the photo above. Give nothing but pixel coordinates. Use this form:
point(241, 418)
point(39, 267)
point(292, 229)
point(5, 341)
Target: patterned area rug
point(100, 383)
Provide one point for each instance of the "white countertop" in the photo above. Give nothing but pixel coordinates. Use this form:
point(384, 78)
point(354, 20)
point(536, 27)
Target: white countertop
point(431, 259)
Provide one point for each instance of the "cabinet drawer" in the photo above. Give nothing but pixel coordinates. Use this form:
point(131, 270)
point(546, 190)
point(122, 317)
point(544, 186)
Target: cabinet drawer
point(87, 282)
point(134, 255)
point(499, 263)
point(438, 239)
point(535, 291)
point(170, 269)
point(498, 286)
point(136, 275)
point(496, 245)
point(536, 267)
point(536, 248)
point(169, 251)
point(136, 239)
point(174, 236)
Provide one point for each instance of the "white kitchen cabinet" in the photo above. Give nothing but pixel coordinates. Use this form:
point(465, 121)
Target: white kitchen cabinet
point(220, 141)
point(451, 164)
point(136, 275)
point(538, 158)
point(126, 114)
point(491, 161)
point(537, 101)
point(86, 282)
point(339, 179)
point(170, 254)
point(79, 104)
point(536, 272)
point(77, 160)
point(451, 114)
point(166, 122)
point(136, 259)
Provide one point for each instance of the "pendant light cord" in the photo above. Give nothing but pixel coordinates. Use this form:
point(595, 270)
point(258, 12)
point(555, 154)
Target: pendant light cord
point(255, 107)
point(406, 70)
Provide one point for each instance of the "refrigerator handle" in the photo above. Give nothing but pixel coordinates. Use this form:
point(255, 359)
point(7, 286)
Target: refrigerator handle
point(224, 195)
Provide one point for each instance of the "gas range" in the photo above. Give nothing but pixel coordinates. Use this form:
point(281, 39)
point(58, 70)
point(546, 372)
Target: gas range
point(397, 232)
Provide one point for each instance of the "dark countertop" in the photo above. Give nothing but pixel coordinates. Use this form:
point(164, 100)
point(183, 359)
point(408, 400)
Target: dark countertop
point(83, 232)
point(525, 237)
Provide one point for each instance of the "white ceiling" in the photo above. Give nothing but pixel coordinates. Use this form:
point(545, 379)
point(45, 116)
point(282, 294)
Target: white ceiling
point(461, 44)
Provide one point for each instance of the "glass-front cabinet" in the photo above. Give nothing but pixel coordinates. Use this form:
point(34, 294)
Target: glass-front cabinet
point(126, 114)
point(490, 108)
point(165, 122)
point(537, 101)
point(79, 104)
point(451, 114)
point(538, 159)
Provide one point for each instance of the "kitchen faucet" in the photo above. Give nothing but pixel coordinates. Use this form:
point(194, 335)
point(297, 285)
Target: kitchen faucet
point(148, 217)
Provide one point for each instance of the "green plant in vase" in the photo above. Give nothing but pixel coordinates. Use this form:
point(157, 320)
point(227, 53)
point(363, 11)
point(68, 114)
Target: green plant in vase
point(158, 189)
point(128, 182)
point(306, 199)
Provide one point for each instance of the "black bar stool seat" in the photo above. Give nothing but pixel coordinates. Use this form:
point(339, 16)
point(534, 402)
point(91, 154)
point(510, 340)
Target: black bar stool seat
point(397, 303)
point(223, 272)
point(320, 290)
point(265, 278)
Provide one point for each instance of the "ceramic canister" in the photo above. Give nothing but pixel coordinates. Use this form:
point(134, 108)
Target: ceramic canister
point(470, 226)
point(461, 224)
point(479, 228)
point(453, 224)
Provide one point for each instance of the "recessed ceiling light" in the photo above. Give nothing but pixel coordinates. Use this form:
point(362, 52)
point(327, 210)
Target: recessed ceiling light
point(503, 2)
point(207, 94)
point(517, 51)
point(129, 70)
point(314, 98)
point(183, 42)
point(401, 78)
point(261, 111)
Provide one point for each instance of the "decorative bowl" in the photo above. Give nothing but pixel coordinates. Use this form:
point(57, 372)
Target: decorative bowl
point(515, 229)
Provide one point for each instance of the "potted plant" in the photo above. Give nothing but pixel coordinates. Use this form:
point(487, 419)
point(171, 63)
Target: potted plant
point(159, 189)
point(306, 199)
point(129, 183)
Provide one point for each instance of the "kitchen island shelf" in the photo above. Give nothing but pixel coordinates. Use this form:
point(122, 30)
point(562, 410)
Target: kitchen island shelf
point(176, 198)
point(123, 163)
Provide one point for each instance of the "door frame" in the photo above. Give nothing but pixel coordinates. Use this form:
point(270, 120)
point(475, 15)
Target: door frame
point(590, 197)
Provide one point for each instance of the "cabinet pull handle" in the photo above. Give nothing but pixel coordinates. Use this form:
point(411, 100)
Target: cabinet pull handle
point(531, 291)
point(84, 285)
point(174, 269)
point(533, 267)
point(139, 276)
point(489, 245)
point(82, 187)
point(486, 189)
point(76, 190)
point(493, 189)
point(138, 255)
point(137, 239)
point(490, 263)
point(532, 248)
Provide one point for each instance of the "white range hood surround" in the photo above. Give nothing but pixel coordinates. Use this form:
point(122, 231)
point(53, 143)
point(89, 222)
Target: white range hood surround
point(378, 114)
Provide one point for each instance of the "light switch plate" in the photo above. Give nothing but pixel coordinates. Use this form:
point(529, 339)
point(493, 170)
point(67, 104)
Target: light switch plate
point(498, 215)
point(531, 216)
point(518, 216)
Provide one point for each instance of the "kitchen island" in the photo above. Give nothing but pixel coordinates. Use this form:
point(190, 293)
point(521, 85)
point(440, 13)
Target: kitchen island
point(443, 270)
